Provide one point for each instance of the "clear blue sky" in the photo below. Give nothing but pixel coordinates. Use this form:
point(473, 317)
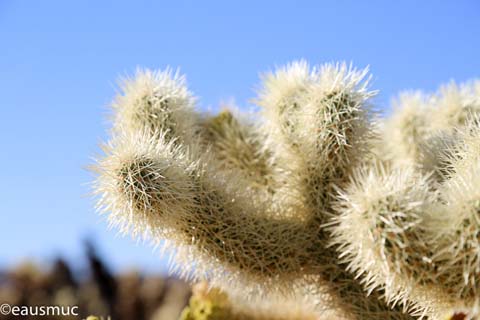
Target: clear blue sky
point(59, 61)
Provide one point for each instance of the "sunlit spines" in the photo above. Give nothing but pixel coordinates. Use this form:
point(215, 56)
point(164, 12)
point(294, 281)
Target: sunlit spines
point(317, 111)
point(238, 145)
point(463, 154)
point(454, 233)
point(336, 118)
point(422, 126)
point(281, 96)
point(455, 104)
point(416, 243)
point(406, 130)
point(319, 125)
point(317, 122)
point(380, 234)
point(151, 187)
point(156, 102)
point(141, 181)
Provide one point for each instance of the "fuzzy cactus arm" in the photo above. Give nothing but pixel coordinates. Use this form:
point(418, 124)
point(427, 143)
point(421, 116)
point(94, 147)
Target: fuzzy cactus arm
point(379, 232)
point(318, 116)
point(415, 134)
point(156, 102)
point(455, 104)
point(454, 234)
point(420, 246)
point(319, 121)
point(419, 242)
point(238, 145)
point(406, 130)
point(316, 121)
point(153, 187)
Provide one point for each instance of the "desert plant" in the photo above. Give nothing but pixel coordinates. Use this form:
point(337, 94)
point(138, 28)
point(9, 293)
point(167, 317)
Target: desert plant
point(316, 202)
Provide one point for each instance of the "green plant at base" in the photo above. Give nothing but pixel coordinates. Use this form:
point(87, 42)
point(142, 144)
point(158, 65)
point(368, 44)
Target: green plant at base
point(212, 304)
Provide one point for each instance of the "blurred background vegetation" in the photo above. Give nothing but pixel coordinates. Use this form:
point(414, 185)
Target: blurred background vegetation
point(93, 287)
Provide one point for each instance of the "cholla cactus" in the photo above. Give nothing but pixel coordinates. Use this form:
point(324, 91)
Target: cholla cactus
point(309, 205)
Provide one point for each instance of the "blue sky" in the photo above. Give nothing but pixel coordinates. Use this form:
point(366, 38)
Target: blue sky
point(59, 61)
